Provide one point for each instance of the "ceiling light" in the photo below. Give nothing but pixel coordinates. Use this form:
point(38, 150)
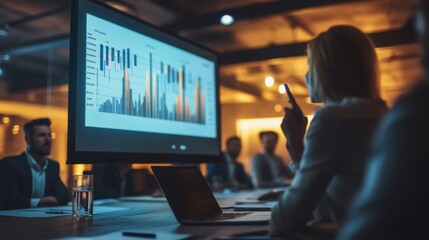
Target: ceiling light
point(282, 89)
point(15, 129)
point(6, 120)
point(227, 19)
point(269, 81)
point(278, 108)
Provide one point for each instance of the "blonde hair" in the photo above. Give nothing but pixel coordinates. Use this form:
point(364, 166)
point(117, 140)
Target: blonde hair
point(344, 63)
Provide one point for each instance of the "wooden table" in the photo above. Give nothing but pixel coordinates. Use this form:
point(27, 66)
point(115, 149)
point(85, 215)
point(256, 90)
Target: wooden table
point(136, 217)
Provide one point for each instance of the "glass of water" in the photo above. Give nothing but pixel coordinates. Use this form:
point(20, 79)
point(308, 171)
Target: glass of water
point(83, 196)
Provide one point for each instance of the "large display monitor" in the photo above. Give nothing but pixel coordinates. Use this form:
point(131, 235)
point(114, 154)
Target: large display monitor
point(137, 93)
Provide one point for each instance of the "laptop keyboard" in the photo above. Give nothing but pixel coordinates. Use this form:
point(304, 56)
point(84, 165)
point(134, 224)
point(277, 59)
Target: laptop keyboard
point(224, 216)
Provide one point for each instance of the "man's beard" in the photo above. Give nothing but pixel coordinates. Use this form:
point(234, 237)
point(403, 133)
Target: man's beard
point(44, 150)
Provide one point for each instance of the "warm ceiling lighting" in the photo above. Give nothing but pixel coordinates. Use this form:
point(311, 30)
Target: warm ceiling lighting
point(227, 19)
point(15, 129)
point(6, 120)
point(282, 89)
point(269, 81)
point(278, 108)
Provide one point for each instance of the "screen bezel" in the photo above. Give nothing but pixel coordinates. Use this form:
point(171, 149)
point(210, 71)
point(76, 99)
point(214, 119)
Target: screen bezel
point(80, 8)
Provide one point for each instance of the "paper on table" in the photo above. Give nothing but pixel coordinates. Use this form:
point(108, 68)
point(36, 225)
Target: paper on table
point(29, 213)
point(58, 211)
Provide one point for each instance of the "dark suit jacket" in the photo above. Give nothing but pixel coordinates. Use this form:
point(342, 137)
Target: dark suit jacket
point(393, 202)
point(221, 169)
point(17, 183)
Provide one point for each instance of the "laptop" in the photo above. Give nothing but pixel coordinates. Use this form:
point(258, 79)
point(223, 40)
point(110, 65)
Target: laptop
point(192, 200)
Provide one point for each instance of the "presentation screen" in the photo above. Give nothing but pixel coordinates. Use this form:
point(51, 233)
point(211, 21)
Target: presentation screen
point(137, 93)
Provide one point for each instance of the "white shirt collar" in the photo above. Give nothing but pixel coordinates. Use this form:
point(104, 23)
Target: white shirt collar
point(33, 164)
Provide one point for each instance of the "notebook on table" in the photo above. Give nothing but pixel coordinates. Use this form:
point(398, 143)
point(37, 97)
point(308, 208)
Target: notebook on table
point(192, 201)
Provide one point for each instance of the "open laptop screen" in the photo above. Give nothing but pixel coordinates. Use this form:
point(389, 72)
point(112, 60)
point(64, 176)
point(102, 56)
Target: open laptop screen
point(187, 192)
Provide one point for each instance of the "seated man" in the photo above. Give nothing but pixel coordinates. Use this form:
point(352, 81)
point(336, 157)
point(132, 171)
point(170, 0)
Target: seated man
point(112, 180)
point(269, 169)
point(229, 172)
point(31, 179)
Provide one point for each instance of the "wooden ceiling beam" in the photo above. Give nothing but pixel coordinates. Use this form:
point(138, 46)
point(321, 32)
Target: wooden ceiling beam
point(405, 35)
point(232, 83)
point(250, 12)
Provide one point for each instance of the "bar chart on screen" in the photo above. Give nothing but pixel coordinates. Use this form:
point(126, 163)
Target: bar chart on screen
point(145, 82)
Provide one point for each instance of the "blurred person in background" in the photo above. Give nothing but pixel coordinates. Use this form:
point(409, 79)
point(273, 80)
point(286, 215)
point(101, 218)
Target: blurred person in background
point(268, 169)
point(229, 173)
point(31, 179)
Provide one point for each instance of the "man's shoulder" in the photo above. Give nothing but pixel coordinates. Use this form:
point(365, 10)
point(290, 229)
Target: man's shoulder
point(408, 117)
point(411, 108)
point(259, 158)
point(217, 164)
point(13, 159)
point(53, 162)
point(417, 97)
point(239, 165)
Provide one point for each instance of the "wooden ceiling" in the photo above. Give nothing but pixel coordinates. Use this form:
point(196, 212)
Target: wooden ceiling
point(267, 38)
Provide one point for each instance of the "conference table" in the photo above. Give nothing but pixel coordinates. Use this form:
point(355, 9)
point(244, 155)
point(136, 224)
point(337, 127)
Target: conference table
point(145, 214)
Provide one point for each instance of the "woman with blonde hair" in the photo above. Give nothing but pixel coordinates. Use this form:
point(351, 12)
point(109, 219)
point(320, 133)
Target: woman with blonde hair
point(343, 74)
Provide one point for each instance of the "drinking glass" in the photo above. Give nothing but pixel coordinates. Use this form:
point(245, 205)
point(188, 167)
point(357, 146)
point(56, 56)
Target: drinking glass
point(83, 197)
